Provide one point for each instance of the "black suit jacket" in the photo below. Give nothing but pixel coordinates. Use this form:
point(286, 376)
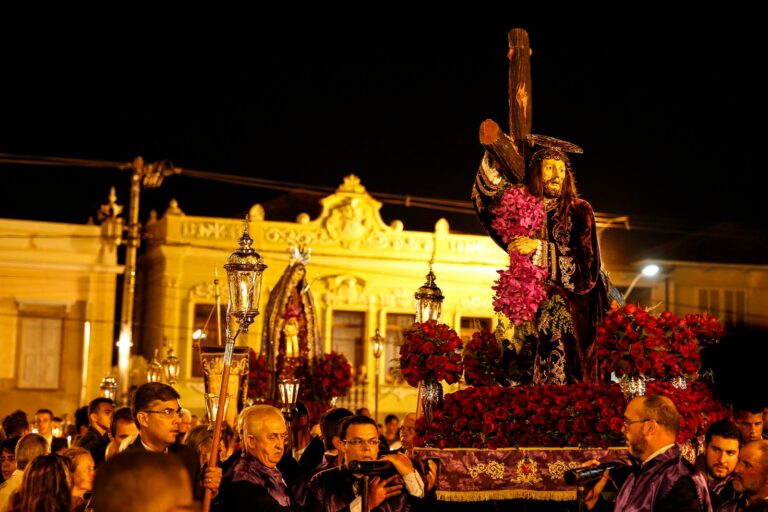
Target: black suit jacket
point(60, 443)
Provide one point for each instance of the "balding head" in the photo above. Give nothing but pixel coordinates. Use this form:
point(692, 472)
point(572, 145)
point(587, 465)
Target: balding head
point(651, 423)
point(751, 474)
point(264, 433)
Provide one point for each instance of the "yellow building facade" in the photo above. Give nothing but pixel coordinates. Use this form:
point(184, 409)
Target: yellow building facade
point(57, 301)
point(364, 274)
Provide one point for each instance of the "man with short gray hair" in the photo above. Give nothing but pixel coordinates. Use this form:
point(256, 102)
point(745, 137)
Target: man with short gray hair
point(255, 478)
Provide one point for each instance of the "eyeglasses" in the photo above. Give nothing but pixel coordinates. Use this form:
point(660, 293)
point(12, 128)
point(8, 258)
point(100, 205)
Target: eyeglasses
point(166, 413)
point(628, 422)
point(373, 443)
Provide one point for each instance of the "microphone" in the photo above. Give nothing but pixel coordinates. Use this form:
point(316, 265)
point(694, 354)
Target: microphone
point(371, 467)
point(581, 476)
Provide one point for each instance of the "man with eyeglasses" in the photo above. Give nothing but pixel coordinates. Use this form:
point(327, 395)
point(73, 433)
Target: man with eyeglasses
point(338, 489)
point(255, 481)
point(662, 479)
point(157, 412)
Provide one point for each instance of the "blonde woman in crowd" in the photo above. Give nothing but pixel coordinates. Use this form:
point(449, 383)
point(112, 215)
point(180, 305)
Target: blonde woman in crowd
point(83, 469)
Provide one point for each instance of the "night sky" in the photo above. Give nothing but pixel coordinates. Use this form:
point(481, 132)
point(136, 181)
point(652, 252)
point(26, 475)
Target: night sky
point(668, 108)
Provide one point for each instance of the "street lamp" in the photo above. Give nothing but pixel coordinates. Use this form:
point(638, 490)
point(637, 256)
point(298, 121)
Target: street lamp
point(378, 349)
point(245, 269)
point(429, 300)
point(647, 271)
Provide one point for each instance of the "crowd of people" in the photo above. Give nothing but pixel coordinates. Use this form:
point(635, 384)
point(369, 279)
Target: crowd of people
point(153, 455)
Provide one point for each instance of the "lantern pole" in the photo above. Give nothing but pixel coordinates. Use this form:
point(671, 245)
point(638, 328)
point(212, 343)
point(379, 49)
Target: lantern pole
point(244, 272)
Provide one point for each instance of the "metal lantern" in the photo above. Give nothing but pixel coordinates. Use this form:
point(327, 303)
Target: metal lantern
point(378, 344)
point(378, 350)
point(429, 300)
point(244, 272)
point(108, 386)
point(289, 393)
point(154, 370)
point(171, 367)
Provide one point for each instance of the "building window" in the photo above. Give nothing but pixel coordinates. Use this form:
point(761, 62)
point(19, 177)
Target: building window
point(208, 337)
point(347, 335)
point(40, 344)
point(397, 323)
point(472, 324)
point(728, 306)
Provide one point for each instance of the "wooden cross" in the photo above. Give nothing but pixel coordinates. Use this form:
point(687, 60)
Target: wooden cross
point(510, 151)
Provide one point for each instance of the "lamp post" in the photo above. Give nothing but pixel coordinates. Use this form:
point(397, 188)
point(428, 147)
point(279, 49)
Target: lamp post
point(150, 176)
point(647, 271)
point(289, 394)
point(429, 299)
point(378, 349)
point(245, 268)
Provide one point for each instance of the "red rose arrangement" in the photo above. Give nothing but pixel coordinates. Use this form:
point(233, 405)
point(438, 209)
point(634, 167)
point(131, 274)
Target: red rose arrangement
point(520, 288)
point(332, 376)
point(430, 350)
point(632, 341)
point(483, 361)
point(707, 329)
point(258, 376)
point(585, 415)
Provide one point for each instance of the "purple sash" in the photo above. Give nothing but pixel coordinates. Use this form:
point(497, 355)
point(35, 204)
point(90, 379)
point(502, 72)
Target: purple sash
point(249, 468)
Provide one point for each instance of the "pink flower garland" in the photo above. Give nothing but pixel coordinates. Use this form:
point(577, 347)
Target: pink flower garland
point(520, 288)
point(517, 214)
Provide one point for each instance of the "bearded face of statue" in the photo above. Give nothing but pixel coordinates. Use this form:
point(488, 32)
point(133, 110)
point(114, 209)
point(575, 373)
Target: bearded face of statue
point(552, 176)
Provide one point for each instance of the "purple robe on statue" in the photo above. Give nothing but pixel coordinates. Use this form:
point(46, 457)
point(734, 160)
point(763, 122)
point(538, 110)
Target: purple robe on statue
point(571, 254)
point(666, 482)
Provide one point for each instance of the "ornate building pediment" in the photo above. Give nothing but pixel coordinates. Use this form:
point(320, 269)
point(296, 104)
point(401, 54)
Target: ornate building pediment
point(352, 218)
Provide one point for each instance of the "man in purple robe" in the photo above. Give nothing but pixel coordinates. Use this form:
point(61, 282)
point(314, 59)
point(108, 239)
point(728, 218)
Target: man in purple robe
point(721, 453)
point(329, 439)
point(662, 480)
point(339, 490)
point(255, 482)
point(750, 479)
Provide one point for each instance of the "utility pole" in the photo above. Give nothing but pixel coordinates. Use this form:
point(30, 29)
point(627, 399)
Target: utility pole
point(150, 176)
